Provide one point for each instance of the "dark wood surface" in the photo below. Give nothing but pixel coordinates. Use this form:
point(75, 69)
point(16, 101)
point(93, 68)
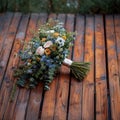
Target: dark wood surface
point(97, 97)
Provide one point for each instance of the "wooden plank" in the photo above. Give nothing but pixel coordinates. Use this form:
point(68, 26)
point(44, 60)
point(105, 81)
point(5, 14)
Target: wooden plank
point(6, 20)
point(4, 58)
point(2, 16)
point(13, 63)
point(23, 97)
point(36, 94)
point(117, 35)
point(100, 73)
point(2, 23)
point(114, 83)
point(88, 83)
point(64, 80)
point(75, 104)
point(50, 96)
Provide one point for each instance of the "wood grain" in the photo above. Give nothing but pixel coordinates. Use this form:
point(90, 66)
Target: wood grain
point(49, 97)
point(96, 97)
point(23, 97)
point(13, 63)
point(35, 99)
point(4, 29)
point(114, 83)
point(64, 80)
point(100, 70)
point(5, 22)
point(117, 35)
point(88, 83)
point(75, 103)
point(6, 86)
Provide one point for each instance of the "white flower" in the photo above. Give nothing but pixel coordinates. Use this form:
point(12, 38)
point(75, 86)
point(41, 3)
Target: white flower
point(40, 50)
point(60, 41)
point(30, 53)
point(48, 44)
point(28, 64)
point(50, 31)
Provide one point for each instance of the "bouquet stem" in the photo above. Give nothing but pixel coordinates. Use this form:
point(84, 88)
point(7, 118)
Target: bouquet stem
point(78, 69)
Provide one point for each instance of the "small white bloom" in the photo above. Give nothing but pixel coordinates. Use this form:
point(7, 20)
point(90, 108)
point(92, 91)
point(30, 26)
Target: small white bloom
point(59, 25)
point(28, 64)
point(61, 49)
point(40, 50)
point(48, 44)
point(60, 41)
point(50, 31)
point(30, 53)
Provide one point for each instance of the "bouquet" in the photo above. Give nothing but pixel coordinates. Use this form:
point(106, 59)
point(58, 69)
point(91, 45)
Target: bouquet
point(43, 55)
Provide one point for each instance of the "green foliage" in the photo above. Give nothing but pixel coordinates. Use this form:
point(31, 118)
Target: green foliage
point(62, 6)
point(27, 5)
point(22, 5)
point(99, 6)
point(43, 55)
point(18, 5)
point(11, 5)
point(3, 5)
point(38, 5)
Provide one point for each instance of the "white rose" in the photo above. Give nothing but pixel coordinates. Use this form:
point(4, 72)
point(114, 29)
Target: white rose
point(40, 50)
point(48, 44)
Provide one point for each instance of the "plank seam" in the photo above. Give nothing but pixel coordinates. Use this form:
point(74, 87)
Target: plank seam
point(72, 52)
point(43, 94)
point(116, 46)
point(1, 50)
point(19, 61)
point(11, 52)
point(107, 73)
point(94, 73)
point(30, 89)
point(58, 78)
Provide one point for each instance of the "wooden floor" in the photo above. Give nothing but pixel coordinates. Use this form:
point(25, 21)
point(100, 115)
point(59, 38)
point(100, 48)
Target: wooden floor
point(96, 98)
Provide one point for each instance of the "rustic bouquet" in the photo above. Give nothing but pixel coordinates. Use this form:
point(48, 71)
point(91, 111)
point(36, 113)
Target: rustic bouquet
point(43, 55)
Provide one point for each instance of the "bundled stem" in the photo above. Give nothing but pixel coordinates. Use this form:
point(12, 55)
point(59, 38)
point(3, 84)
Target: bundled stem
point(80, 69)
